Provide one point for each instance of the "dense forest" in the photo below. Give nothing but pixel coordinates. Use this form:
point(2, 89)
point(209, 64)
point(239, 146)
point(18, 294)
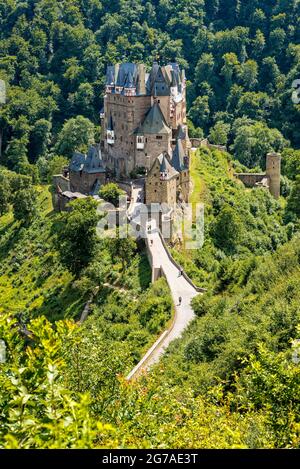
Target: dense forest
point(233, 380)
point(241, 58)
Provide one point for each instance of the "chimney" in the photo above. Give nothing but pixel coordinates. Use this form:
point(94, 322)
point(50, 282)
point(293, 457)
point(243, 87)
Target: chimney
point(141, 84)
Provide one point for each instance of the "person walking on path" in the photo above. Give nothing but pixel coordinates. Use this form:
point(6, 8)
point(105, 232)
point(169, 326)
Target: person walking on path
point(180, 272)
point(179, 300)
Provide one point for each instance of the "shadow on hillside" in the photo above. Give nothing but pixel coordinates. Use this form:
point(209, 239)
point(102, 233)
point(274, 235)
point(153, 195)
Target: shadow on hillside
point(64, 303)
point(144, 271)
point(13, 238)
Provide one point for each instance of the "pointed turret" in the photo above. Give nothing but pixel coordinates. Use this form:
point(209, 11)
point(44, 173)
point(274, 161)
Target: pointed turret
point(178, 157)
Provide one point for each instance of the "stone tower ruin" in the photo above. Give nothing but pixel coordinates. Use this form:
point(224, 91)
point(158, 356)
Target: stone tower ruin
point(273, 171)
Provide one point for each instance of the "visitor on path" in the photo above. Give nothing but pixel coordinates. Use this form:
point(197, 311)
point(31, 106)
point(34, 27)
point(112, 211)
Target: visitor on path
point(179, 300)
point(151, 242)
point(180, 272)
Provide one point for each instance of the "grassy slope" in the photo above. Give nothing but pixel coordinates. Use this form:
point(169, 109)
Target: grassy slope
point(127, 309)
point(265, 310)
point(214, 185)
point(31, 277)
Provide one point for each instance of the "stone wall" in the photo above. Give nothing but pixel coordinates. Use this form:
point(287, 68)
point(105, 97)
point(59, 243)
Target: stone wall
point(204, 143)
point(153, 148)
point(127, 113)
point(84, 182)
point(184, 181)
point(250, 179)
point(160, 191)
point(62, 182)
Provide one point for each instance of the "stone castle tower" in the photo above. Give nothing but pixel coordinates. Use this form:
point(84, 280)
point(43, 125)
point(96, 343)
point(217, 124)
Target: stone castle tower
point(273, 172)
point(143, 116)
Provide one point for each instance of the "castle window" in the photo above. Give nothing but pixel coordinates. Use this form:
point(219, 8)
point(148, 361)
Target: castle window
point(158, 137)
point(140, 142)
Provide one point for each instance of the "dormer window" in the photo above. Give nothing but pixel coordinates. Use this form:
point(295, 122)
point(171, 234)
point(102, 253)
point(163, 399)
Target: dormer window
point(140, 142)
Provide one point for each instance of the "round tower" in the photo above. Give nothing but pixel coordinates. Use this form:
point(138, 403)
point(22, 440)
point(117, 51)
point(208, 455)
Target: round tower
point(273, 171)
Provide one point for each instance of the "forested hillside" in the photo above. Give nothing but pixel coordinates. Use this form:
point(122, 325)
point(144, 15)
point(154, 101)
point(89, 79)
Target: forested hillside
point(240, 58)
point(233, 379)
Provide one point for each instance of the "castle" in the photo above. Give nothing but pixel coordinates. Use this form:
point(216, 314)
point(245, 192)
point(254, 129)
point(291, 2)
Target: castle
point(144, 130)
point(143, 125)
point(269, 180)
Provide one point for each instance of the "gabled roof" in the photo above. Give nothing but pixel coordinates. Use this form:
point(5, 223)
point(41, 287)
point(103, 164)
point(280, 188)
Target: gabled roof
point(165, 168)
point(154, 122)
point(178, 156)
point(110, 75)
point(88, 163)
point(77, 161)
point(127, 75)
point(93, 162)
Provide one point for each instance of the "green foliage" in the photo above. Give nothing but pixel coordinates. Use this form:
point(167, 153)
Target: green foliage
point(37, 410)
point(252, 143)
point(270, 382)
point(55, 166)
point(241, 61)
point(76, 134)
point(4, 194)
point(110, 193)
point(227, 229)
point(218, 387)
point(219, 133)
point(238, 222)
point(25, 204)
point(121, 248)
point(291, 163)
point(156, 307)
point(77, 239)
point(293, 203)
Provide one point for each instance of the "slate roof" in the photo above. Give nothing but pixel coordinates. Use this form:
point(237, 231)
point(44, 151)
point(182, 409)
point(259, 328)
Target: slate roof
point(126, 75)
point(181, 132)
point(178, 156)
point(165, 168)
point(169, 74)
point(88, 163)
point(154, 122)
